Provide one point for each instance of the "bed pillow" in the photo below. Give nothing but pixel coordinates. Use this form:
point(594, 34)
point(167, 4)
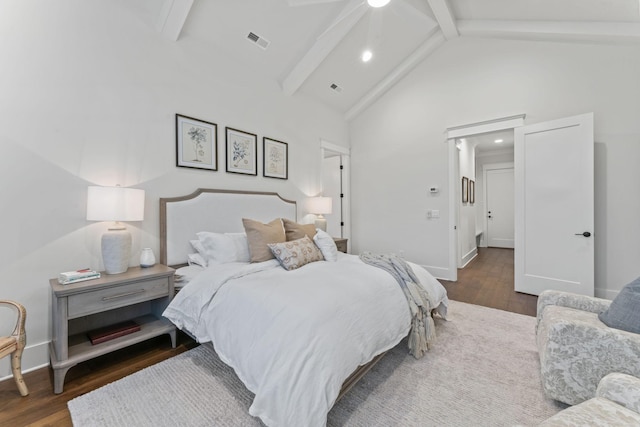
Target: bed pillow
point(295, 231)
point(196, 259)
point(624, 311)
point(296, 253)
point(220, 248)
point(259, 235)
point(326, 244)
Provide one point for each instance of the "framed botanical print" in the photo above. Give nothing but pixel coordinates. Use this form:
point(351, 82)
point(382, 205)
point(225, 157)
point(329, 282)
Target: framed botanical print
point(275, 158)
point(196, 143)
point(465, 189)
point(472, 191)
point(242, 152)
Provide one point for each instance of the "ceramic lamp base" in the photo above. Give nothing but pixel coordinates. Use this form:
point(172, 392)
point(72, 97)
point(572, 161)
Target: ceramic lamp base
point(321, 223)
point(116, 250)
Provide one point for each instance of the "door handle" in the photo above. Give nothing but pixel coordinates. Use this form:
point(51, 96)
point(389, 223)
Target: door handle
point(585, 234)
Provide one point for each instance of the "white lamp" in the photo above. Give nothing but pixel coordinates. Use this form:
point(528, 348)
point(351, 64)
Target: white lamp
point(115, 204)
point(320, 206)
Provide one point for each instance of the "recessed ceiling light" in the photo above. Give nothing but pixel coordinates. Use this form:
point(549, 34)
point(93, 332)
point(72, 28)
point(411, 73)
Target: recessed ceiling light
point(366, 56)
point(498, 141)
point(377, 3)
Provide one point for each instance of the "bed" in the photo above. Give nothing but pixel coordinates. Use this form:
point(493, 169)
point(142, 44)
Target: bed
point(298, 339)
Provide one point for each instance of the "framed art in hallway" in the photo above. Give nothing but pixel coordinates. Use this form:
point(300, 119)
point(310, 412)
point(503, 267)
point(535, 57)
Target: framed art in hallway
point(242, 150)
point(196, 143)
point(472, 191)
point(275, 158)
point(465, 189)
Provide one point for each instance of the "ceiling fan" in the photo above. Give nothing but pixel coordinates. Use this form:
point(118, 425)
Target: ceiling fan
point(355, 9)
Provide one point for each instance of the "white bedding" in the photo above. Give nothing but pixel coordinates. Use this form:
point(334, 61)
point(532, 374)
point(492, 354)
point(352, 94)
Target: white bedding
point(293, 337)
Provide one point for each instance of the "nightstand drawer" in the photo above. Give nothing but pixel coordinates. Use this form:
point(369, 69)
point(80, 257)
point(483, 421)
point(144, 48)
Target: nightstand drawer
point(118, 296)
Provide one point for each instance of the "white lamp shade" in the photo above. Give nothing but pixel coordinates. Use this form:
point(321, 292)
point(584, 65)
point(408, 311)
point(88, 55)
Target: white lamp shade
point(320, 205)
point(115, 204)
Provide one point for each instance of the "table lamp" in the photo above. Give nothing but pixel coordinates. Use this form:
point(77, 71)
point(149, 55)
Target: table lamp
point(320, 206)
point(115, 204)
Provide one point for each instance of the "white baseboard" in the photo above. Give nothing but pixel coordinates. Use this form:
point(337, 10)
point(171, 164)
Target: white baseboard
point(466, 259)
point(605, 293)
point(33, 357)
point(438, 272)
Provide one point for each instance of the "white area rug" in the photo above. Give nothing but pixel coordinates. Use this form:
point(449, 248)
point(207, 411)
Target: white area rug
point(482, 371)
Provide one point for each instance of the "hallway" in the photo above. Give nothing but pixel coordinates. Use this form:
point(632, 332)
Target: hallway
point(488, 281)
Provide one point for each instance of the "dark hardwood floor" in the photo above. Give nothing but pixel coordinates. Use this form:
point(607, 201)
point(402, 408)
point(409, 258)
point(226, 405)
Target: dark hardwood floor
point(487, 281)
point(44, 408)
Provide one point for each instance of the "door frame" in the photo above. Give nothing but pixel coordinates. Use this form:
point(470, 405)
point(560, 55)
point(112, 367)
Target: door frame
point(345, 158)
point(485, 168)
point(503, 123)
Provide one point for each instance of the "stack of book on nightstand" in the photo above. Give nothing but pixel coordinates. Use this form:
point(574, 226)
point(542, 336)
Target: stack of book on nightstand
point(107, 333)
point(77, 276)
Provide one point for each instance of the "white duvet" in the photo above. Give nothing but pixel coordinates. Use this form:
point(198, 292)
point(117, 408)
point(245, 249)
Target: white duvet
point(293, 337)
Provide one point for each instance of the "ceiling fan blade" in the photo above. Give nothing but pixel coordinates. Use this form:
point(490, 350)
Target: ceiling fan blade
point(413, 14)
point(350, 15)
point(295, 3)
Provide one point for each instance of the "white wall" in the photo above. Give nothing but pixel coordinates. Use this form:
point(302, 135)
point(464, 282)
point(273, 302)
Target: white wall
point(89, 96)
point(398, 149)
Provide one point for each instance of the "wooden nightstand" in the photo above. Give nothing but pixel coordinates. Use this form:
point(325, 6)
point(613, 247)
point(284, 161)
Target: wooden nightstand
point(139, 294)
point(341, 244)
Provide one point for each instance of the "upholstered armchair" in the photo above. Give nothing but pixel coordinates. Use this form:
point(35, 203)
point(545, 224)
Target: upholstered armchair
point(14, 345)
point(616, 403)
point(577, 349)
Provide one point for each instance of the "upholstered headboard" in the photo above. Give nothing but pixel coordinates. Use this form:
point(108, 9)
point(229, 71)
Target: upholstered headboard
point(219, 211)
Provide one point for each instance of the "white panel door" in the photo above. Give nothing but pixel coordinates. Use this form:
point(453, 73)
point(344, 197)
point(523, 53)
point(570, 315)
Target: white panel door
point(500, 208)
point(554, 206)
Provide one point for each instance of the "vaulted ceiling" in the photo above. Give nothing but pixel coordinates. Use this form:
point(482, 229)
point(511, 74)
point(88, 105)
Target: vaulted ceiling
point(314, 47)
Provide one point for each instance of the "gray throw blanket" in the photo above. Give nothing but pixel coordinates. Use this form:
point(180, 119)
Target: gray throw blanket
point(422, 331)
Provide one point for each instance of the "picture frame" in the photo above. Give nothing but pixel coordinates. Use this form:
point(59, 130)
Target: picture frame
point(275, 158)
point(465, 189)
point(472, 191)
point(242, 152)
point(196, 143)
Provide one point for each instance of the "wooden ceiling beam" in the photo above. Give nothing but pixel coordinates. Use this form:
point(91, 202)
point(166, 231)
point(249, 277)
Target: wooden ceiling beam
point(324, 45)
point(172, 18)
point(445, 18)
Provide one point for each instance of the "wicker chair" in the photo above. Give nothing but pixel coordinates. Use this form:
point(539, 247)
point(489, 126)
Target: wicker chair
point(14, 344)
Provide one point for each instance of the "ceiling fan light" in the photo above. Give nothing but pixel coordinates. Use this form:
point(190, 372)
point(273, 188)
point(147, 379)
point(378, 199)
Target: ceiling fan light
point(366, 56)
point(377, 3)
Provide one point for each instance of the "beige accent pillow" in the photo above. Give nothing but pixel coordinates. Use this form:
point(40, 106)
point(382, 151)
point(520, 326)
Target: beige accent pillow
point(295, 231)
point(296, 253)
point(259, 235)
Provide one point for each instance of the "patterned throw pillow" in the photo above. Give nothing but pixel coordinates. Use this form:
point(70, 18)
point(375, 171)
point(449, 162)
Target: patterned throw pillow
point(296, 253)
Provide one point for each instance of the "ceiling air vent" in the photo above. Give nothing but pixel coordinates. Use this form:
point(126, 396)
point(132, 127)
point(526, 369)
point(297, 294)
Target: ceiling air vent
point(259, 41)
point(334, 87)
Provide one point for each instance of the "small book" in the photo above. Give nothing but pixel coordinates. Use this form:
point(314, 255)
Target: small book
point(110, 332)
point(77, 276)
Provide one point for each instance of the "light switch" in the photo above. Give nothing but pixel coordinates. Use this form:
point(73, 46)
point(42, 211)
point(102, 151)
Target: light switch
point(432, 213)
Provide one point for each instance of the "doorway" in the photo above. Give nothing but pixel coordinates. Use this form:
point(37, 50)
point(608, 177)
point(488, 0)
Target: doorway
point(506, 124)
point(335, 172)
